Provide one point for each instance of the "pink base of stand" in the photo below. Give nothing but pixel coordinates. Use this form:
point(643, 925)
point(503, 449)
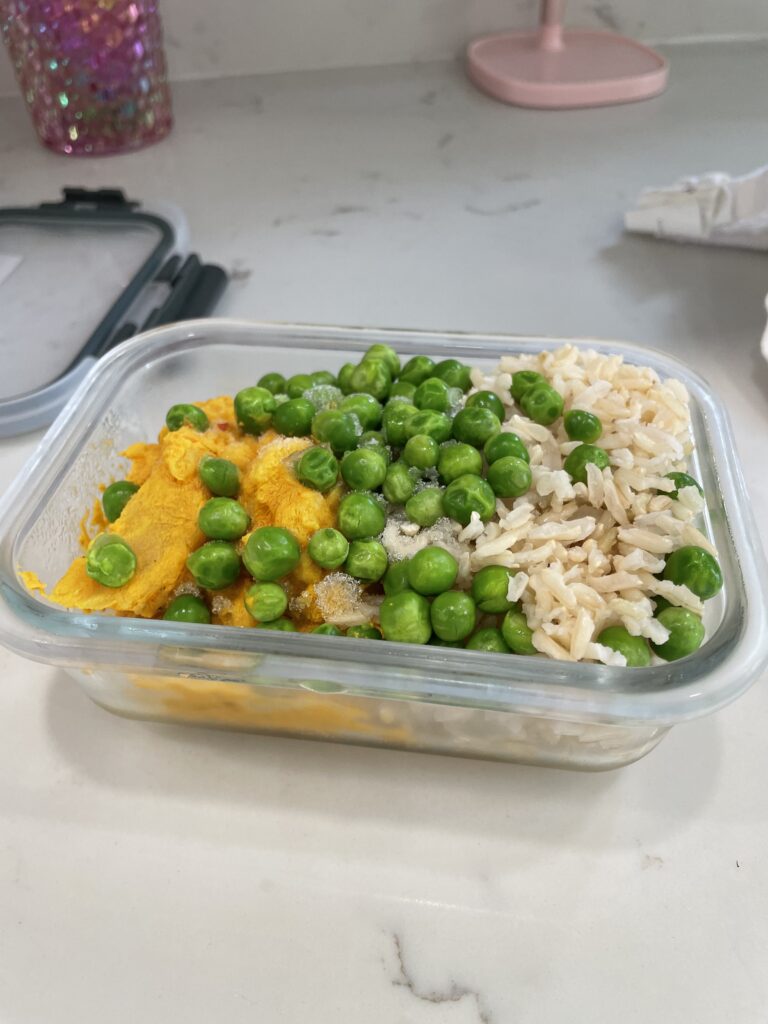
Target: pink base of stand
point(590, 69)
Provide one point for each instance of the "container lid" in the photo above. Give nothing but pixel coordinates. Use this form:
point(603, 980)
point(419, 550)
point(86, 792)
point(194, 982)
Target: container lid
point(77, 277)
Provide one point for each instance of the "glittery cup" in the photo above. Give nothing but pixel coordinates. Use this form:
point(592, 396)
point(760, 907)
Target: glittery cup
point(92, 72)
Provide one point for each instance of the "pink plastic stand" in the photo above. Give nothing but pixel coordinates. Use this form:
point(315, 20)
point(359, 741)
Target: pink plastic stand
point(553, 68)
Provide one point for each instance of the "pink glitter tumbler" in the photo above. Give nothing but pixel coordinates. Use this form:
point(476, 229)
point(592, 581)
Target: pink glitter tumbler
point(92, 72)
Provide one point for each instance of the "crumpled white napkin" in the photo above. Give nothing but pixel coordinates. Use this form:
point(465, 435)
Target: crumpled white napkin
point(712, 209)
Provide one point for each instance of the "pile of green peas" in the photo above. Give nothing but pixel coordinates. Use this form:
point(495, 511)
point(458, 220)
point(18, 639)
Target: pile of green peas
point(405, 436)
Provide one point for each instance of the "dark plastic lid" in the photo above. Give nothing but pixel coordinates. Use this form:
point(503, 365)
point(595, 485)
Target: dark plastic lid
point(78, 277)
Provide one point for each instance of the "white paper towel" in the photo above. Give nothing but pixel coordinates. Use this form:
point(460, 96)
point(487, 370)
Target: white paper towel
point(713, 209)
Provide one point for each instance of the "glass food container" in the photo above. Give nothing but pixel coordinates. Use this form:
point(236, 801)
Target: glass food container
point(449, 701)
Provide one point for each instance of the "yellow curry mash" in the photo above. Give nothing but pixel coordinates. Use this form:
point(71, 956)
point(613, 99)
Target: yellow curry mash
point(160, 520)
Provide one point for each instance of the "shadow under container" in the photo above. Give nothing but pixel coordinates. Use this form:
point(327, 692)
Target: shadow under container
point(440, 700)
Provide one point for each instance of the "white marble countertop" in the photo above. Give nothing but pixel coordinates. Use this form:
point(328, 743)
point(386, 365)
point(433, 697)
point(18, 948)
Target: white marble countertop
point(154, 873)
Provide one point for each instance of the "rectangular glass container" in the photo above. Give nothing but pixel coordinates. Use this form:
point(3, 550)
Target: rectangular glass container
point(532, 710)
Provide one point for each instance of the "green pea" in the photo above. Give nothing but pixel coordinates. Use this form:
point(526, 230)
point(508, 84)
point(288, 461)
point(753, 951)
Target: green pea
point(179, 416)
point(323, 378)
point(372, 439)
point(686, 633)
point(372, 377)
point(281, 625)
point(475, 425)
point(402, 389)
point(395, 420)
point(660, 603)
point(489, 589)
point(542, 404)
point(296, 386)
point(437, 642)
point(364, 469)
point(453, 615)
point(421, 451)
point(187, 608)
point(220, 476)
point(582, 426)
point(387, 354)
point(416, 370)
point(454, 373)
point(253, 409)
point(324, 396)
point(467, 494)
point(501, 445)
point(432, 394)
point(274, 382)
point(509, 477)
point(294, 418)
point(345, 378)
point(265, 602)
point(457, 459)
point(489, 640)
point(404, 618)
point(367, 560)
point(681, 480)
point(335, 427)
point(364, 632)
point(270, 553)
point(487, 400)
point(523, 381)
point(426, 506)
point(427, 421)
point(360, 515)
point(695, 568)
point(396, 578)
point(116, 497)
point(223, 519)
point(432, 570)
point(366, 408)
point(317, 468)
point(576, 463)
point(215, 565)
point(328, 548)
point(110, 560)
point(518, 635)
point(634, 648)
point(327, 629)
point(399, 484)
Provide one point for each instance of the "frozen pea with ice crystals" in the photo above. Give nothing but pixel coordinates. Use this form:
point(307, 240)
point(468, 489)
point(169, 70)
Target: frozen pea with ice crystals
point(453, 615)
point(421, 451)
point(425, 507)
point(367, 560)
point(328, 548)
point(318, 468)
point(294, 417)
point(364, 469)
point(399, 484)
